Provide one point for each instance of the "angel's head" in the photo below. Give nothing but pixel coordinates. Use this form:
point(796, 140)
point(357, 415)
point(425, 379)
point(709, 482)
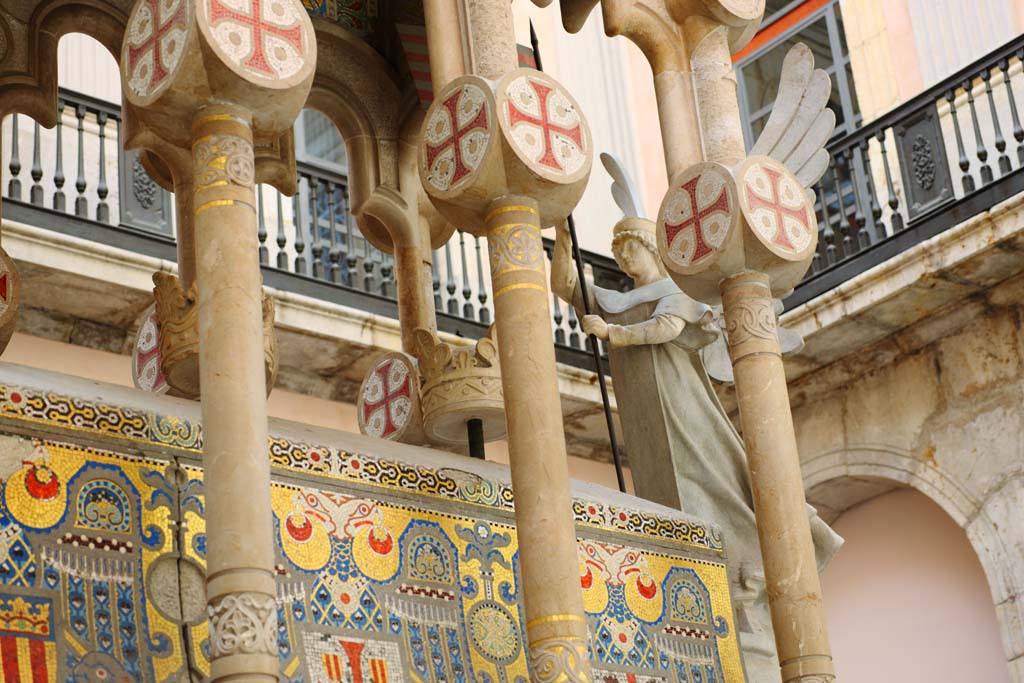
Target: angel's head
point(635, 248)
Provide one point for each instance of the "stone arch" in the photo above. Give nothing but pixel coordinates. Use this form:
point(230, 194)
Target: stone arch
point(29, 82)
point(839, 479)
point(360, 93)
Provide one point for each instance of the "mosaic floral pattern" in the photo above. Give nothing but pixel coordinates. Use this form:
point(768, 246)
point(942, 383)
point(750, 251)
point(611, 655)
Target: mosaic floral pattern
point(386, 572)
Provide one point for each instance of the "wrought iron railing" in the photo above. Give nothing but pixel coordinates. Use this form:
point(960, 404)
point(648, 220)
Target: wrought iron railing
point(308, 243)
point(919, 169)
point(947, 154)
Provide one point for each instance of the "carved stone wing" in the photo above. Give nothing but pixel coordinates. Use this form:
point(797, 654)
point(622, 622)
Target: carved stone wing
point(623, 192)
point(801, 122)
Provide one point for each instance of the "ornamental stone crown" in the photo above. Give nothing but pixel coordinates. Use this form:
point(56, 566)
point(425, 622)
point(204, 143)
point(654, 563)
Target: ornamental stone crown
point(460, 384)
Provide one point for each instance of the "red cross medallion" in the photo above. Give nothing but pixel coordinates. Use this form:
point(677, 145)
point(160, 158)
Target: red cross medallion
point(696, 219)
point(155, 41)
point(146, 356)
point(257, 60)
point(774, 204)
point(548, 128)
point(388, 395)
point(479, 122)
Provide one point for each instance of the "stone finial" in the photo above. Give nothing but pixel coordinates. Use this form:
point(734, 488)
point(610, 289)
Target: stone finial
point(522, 135)
point(388, 406)
point(177, 327)
point(179, 55)
point(460, 384)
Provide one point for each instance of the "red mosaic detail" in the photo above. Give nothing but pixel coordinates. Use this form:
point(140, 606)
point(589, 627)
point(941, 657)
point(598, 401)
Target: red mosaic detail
point(479, 122)
point(696, 220)
point(154, 42)
point(403, 390)
point(774, 204)
point(258, 59)
point(516, 116)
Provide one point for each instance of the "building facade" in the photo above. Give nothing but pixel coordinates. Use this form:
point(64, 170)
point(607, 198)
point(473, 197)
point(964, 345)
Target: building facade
point(911, 372)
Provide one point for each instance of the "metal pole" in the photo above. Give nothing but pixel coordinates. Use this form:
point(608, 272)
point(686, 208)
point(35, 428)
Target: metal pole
point(475, 430)
point(594, 347)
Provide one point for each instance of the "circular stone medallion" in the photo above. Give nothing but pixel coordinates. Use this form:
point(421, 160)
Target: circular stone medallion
point(146, 372)
point(267, 42)
point(154, 44)
point(389, 397)
point(456, 135)
point(777, 208)
point(544, 125)
point(696, 217)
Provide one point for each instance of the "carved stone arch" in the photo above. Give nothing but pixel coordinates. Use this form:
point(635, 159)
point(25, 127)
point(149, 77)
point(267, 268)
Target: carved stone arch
point(28, 73)
point(837, 480)
point(360, 93)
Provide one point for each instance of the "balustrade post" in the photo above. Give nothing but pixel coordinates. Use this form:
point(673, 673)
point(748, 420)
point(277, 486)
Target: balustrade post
point(102, 209)
point(36, 192)
point(999, 140)
point(59, 200)
point(896, 218)
point(1018, 131)
point(981, 152)
point(81, 202)
point(14, 165)
point(300, 240)
point(282, 241)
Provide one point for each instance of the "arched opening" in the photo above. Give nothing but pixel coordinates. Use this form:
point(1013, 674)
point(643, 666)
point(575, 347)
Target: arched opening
point(907, 599)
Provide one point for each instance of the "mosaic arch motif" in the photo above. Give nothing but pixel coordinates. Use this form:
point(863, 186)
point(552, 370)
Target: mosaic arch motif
point(697, 216)
point(456, 136)
point(154, 44)
point(777, 208)
point(388, 397)
point(146, 372)
point(266, 41)
point(543, 124)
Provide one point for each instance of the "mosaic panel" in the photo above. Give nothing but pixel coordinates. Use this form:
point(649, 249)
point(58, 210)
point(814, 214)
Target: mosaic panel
point(386, 572)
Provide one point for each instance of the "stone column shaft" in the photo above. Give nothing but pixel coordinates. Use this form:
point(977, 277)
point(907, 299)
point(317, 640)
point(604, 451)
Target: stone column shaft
point(492, 40)
point(555, 626)
point(714, 83)
point(783, 528)
point(680, 125)
point(447, 60)
point(414, 279)
point(184, 196)
point(239, 528)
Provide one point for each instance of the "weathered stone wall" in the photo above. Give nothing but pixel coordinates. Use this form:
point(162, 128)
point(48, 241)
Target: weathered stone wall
point(946, 418)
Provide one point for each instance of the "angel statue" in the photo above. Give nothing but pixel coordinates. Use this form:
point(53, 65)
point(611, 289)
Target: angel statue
point(684, 452)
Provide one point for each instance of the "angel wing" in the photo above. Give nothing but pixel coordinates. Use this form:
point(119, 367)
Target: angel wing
point(623, 191)
point(801, 122)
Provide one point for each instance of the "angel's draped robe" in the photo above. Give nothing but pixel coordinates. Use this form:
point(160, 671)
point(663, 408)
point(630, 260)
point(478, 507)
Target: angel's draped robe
point(684, 452)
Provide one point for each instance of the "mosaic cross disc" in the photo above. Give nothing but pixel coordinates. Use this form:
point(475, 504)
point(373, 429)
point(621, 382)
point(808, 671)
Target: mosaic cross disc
point(456, 136)
point(697, 215)
point(266, 40)
point(544, 125)
point(386, 400)
point(155, 42)
point(146, 371)
point(777, 207)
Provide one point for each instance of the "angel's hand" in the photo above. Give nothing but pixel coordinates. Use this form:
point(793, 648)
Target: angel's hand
point(595, 325)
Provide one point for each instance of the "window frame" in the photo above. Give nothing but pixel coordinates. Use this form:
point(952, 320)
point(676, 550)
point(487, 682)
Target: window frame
point(840, 64)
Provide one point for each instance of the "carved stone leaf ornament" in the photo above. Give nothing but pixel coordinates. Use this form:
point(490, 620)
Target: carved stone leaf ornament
point(558, 660)
point(243, 623)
